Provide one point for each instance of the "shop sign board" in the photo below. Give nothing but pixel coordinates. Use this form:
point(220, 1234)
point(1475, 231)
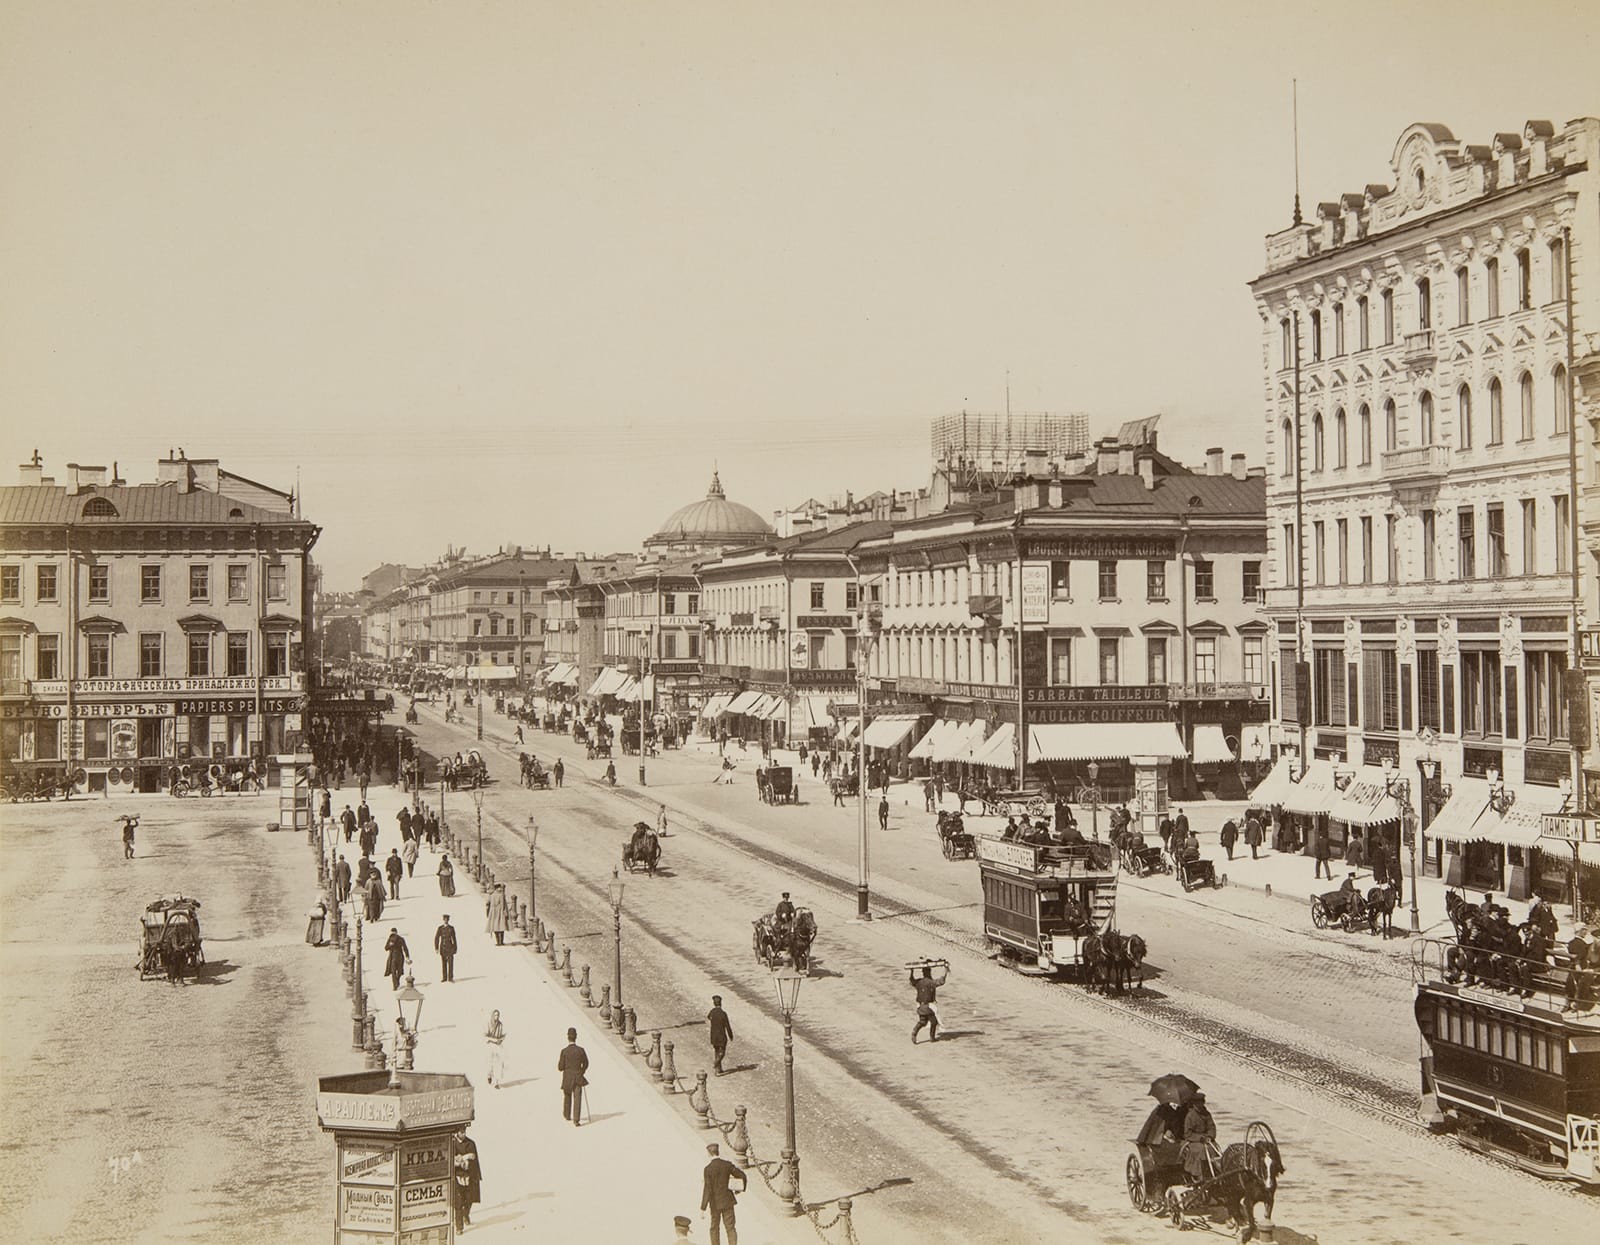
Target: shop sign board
point(361, 1206)
point(1014, 855)
point(1120, 711)
point(1035, 592)
point(1086, 694)
point(1573, 827)
point(1100, 547)
point(124, 740)
point(824, 622)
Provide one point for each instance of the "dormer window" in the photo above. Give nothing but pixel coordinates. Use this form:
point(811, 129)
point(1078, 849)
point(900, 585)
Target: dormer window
point(99, 508)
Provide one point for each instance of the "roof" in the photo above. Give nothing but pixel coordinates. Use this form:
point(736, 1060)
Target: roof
point(136, 503)
point(712, 520)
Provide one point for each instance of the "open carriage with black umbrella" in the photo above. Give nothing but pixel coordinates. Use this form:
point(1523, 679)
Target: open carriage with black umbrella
point(170, 943)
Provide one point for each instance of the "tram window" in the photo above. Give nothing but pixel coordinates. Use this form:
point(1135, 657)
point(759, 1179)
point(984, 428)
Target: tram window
point(1455, 1027)
point(1556, 1055)
point(1441, 1028)
point(1525, 1047)
point(1539, 1060)
point(1495, 1047)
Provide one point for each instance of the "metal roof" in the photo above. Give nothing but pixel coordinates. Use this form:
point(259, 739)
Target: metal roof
point(22, 504)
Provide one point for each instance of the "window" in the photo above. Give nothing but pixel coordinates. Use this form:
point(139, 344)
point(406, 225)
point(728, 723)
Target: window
point(1558, 269)
point(669, 603)
point(1328, 703)
point(45, 581)
point(1255, 659)
point(1317, 460)
point(494, 624)
point(277, 654)
point(1480, 692)
point(1524, 280)
point(1464, 417)
point(1205, 659)
point(1363, 323)
point(1558, 386)
point(852, 597)
point(1525, 400)
point(1495, 528)
point(1463, 296)
point(199, 653)
point(97, 740)
point(149, 583)
point(1530, 536)
point(1061, 661)
point(49, 655)
point(1425, 416)
point(1380, 689)
point(1338, 328)
point(1428, 687)
point(11, 655)
point(1391, 426)
point(1286, 449)
point(1364, 434)
point(278, 582)
point(669, 645)
point(1291, 556)
point(817, 595)
point(1286, 336)
point(1205, 581)
point(1110, 668)
point(1061, 580)
point(150, 655)
point(238, 582)
point(1319, 565)
point(1252, 581)
point(1544, 675)
point(852, 592)
point(1155, 581)
point(1391, 549)
point(1466, 546)
point(1366, 549)
point(100, 656)
point(1108, 579)
point(1341, 554)
point(1341, 446)
point(1388, 317)
point(199, 735)
point(100, 584)
point(1497, 418)
point(1316, 336)
point(1288, 694)
point(199, 583)
point(1430, 545)
point(1491, 287)
point(1424, 304)
point(1155, 659)
point(238, 653)
point(849, 648)
point(1563, 533)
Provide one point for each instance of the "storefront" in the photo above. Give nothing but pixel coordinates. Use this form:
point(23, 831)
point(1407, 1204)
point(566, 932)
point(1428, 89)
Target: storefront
point(1487, 836)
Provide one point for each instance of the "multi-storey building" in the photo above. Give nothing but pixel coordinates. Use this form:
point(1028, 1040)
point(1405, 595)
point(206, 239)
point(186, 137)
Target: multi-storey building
point(150, 625)
point(1131, 590)
point(1419, 352)
point(489, 612)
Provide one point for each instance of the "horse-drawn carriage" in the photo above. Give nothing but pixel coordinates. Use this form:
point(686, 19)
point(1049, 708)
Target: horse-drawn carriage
point(845, 784)
point(1350, 910)
point(1193, 871)
point(1002, 803)
point(170, 938)
point(1138, 857)
point(778, 943)
point(954, 839)
point(775, 785)
point(642, 850)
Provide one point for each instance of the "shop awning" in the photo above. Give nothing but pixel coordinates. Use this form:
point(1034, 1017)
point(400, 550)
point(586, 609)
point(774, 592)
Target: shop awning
point(1211, 745)
point(627, 690)
point(608, 682)
point(563, 672)
point(1271, 789)
point(1365, 801)
point(1097, 741)
point(771, 709)
point(815, 710)
point(743, 702)
point(1467, 816)
point(1453, 823)
point(490, 674)
point(715, 705)
point(958, 742)
point(936, 734)
point(639, 689)
point(1315, 793)
point(848, 729)
point(999, 750)
point(889, 731)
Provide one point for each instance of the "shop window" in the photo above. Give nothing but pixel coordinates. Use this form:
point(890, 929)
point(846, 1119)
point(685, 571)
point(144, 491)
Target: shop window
point(47, 741)
point(238, 735)
point(199, 735)
point(97, 739)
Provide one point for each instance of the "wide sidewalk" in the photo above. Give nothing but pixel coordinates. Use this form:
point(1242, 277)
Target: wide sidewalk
point(543, 1179)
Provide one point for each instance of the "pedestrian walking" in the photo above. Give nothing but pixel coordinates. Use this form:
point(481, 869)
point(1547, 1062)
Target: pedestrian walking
point(927, 988)
point(341, 879)
point(444, 942)
point(468, 1181)
point(721, 1032)
point(572, 1064)
point(128, 824)
point(398, 957)
point(927, 795)
point(395, 869)
point(495, 909)
point(716, 1198)
point(375, 897)
point(883, 810)
point(838, 794)
point(558, 771)
point(325, 807)
point(494, 1036)
point(1230, 836)
point(404, 818)
point(348, 820)
point(408, 853)
point(363, 813)
point(1252, 834)
point(1164, 827)
point(1354, 856)
point(1320, 852)
point(725, 774)
point(661, 822)
point(816, 763)
point(447, 878)
point(1180, 826)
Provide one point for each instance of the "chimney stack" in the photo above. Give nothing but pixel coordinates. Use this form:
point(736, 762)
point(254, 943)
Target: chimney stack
point(1214, 461)
point(1147, 470)
point(1237, 463)
point(1125, 460)
point(1106, 456)
point(31, 472)
point(1055, 494)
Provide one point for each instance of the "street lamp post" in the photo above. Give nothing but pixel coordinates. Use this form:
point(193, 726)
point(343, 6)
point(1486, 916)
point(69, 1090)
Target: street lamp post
point(408, 1020)
point(644, 664)
point(533, 868)
point(863, 643)
point(1094, 798)
point(614, 894)
point(788, 981)
point(477, 864)
point(1400, 789)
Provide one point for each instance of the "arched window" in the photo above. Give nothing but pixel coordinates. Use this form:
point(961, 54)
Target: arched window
point(1424, 304)
point(1317, 461)
point(1388, 317)
point(1391, 426)
point(1364, 433)
point(1558, 269)
point(1363, 323)
point(1464, 417)
point(99, 508)
point(1286, 448)
point(1341, 440)
point(1558, 384)
point(1463, 296)
point(1288, 343)
point(1497, 413)
point(1425, 417)
point(1524, 280)
point(1525, 397)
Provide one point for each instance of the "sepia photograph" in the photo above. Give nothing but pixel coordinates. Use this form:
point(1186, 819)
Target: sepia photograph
point(583, 583)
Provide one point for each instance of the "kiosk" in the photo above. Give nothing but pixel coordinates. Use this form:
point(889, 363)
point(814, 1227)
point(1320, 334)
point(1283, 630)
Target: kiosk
point(294, 791)
point(395, 1133)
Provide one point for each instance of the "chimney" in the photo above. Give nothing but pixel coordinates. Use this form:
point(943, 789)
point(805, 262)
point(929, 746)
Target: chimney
point(170, 470)
point(31, 472)
point(1214, 461)
point(1237, 463)
point(1055, 494)
point(1147, 470)
point(1125, 460)
point(81, 477)
point(1106, 454)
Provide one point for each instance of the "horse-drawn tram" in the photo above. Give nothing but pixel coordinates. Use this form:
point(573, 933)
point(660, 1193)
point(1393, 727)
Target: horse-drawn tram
point(1041, 901)
point(1506, 1063)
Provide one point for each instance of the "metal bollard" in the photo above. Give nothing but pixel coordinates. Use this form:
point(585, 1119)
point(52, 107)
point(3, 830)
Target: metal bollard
point(617, 1021)
point(358, 1026)
point(550, 946)
point(652, 1061)
point(605, 1005)
point(739, 1136)
point(630, 1030)
point(844, 1217)
point(700, 1100)
point(669, 1071)
point(584, 991)
point(566, 966)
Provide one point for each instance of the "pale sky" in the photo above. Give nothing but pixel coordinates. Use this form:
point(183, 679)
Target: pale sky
point(520, 272)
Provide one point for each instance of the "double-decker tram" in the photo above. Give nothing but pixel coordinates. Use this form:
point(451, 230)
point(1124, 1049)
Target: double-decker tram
point(1515, 1074)
point(1041, 901)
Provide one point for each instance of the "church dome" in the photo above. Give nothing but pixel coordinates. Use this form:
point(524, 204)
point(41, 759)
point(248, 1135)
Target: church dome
point(713, 521)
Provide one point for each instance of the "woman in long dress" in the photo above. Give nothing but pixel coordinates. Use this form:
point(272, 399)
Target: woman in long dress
point(447, 877)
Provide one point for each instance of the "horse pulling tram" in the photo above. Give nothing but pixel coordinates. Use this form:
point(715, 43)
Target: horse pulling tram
point(1041, 903)
point(1514, 1071)
point(170, 938)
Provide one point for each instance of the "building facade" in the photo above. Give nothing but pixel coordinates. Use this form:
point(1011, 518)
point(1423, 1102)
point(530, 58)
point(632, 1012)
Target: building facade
point(148, 626)
point(1425, 348)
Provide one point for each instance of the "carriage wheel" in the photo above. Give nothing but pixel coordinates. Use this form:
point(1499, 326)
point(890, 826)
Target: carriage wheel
point(1036, 806)
point(1319, 914)
point(1138, 1195)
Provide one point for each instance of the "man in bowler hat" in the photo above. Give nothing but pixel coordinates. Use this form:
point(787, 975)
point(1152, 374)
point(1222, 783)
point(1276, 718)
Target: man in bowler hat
point(572, 1064)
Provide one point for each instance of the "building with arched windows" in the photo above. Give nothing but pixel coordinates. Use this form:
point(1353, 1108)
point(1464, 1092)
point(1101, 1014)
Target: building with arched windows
point(1422, 590)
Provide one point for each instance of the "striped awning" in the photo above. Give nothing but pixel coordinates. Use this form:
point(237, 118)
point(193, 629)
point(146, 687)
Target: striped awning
point(1468, 817)
point(848, 729)
point(562, 672)
point(1211, 745)
point(715, 705)
point(889, 731)
point(815, 713)
point(1271, 789)
point(999, 750)
point(1314, 793)
point(1366, 801)
point(608, 682)
point(958, 742)
point(936, 734)
point(743, 702)
point(770, 709)
point(1100, 741)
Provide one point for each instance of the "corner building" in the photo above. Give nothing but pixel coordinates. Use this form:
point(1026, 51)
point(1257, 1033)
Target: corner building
point(1426, 345)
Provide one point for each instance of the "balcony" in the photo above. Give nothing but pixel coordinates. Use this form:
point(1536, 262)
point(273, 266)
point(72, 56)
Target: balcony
point(1417, 464)
point(1420, 351)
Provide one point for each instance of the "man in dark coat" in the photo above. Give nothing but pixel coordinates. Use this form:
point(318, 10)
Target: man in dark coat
point(721, 1031)
point(717, 1198)
point(1230, 836)
point(572, 1064)
point(1180, 827)
point(395, 869)
point(363, 813)
point(399, 955)
point(347, 819)
point(375, 897)
point(341, 879)
point(404, 817)
point(444, 942)
point(1320, 852)
point(1252, 834)
point(468, 1179)
point(883, 812)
